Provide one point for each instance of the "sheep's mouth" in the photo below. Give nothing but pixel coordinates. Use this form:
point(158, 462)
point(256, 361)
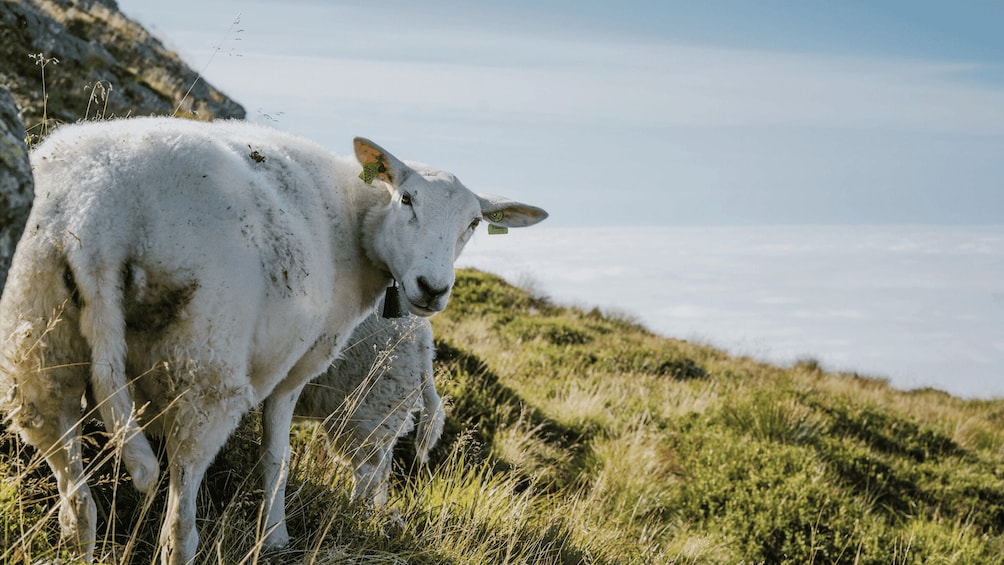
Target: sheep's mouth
point(423, 311)
point(425, 306)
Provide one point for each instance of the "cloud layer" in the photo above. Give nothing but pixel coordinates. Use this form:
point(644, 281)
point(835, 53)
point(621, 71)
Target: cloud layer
point(922, 306)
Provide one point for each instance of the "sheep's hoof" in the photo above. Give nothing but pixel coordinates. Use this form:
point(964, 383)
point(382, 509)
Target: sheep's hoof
point(277, 538)
point(394, 525)
point(77, 519)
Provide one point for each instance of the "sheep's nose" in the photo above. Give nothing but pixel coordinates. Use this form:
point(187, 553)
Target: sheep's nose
point(430, 292)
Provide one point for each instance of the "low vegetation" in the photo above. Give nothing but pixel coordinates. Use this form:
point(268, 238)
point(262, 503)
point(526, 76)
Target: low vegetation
point(578, 437)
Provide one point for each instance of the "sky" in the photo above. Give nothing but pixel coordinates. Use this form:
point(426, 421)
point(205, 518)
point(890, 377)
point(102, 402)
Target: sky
point(637, 112)
point(676, 118)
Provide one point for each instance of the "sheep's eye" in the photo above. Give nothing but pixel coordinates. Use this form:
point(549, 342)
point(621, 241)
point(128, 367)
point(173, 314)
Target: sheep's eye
point(406, 199)
point(475, 223)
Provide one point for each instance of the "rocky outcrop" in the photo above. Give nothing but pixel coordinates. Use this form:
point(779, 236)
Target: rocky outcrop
point(97, 63)
point(15, 181)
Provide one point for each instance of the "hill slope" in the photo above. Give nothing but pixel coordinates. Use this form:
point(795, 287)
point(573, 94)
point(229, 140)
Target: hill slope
point(681, 452)
point(578, 438)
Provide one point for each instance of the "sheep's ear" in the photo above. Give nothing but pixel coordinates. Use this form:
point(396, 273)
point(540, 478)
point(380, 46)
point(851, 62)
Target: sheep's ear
point(378, 163)
point(506, 213)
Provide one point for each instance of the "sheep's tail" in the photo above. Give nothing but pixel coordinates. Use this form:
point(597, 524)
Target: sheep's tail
point(430, 424)
point(102, 323)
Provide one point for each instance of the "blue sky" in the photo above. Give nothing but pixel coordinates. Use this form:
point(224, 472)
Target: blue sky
point(638, 112)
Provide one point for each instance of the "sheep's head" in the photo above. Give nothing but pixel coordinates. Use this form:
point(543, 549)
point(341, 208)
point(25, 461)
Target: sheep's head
point(430, 219)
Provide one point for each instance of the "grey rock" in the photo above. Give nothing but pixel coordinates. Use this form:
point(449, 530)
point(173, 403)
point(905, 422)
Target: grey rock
point(16, 183)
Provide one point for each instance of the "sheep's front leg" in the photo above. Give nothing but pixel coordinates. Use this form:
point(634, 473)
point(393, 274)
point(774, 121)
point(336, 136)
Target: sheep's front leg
point(277, 417)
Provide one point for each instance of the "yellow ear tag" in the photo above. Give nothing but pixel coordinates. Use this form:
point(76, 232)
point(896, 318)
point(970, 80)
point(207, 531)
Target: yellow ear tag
point(370, 172)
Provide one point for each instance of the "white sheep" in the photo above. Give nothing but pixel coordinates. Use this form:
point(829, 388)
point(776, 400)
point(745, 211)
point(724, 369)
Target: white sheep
point(369, 396)
point(183, 272)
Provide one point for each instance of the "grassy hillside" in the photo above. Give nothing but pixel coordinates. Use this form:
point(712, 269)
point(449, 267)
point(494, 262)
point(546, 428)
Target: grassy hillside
point(575, 437)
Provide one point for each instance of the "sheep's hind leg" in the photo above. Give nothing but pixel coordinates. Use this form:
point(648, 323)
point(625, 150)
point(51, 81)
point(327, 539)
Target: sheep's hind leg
point(371, 479)
point(59, 440)
point(192, 443)
point(371, 473)
point(179, 538)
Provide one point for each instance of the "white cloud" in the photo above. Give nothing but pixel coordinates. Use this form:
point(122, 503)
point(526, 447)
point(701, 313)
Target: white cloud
point(610, 81)
point(316, 55)
point(824, 315)
point(779, 300)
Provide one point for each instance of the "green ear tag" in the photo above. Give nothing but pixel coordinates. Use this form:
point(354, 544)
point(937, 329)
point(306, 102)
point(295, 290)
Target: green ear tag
point(370, 172)
point(497, 230)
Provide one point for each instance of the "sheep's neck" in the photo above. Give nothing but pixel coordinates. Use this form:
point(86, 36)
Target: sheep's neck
point(373, 212)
